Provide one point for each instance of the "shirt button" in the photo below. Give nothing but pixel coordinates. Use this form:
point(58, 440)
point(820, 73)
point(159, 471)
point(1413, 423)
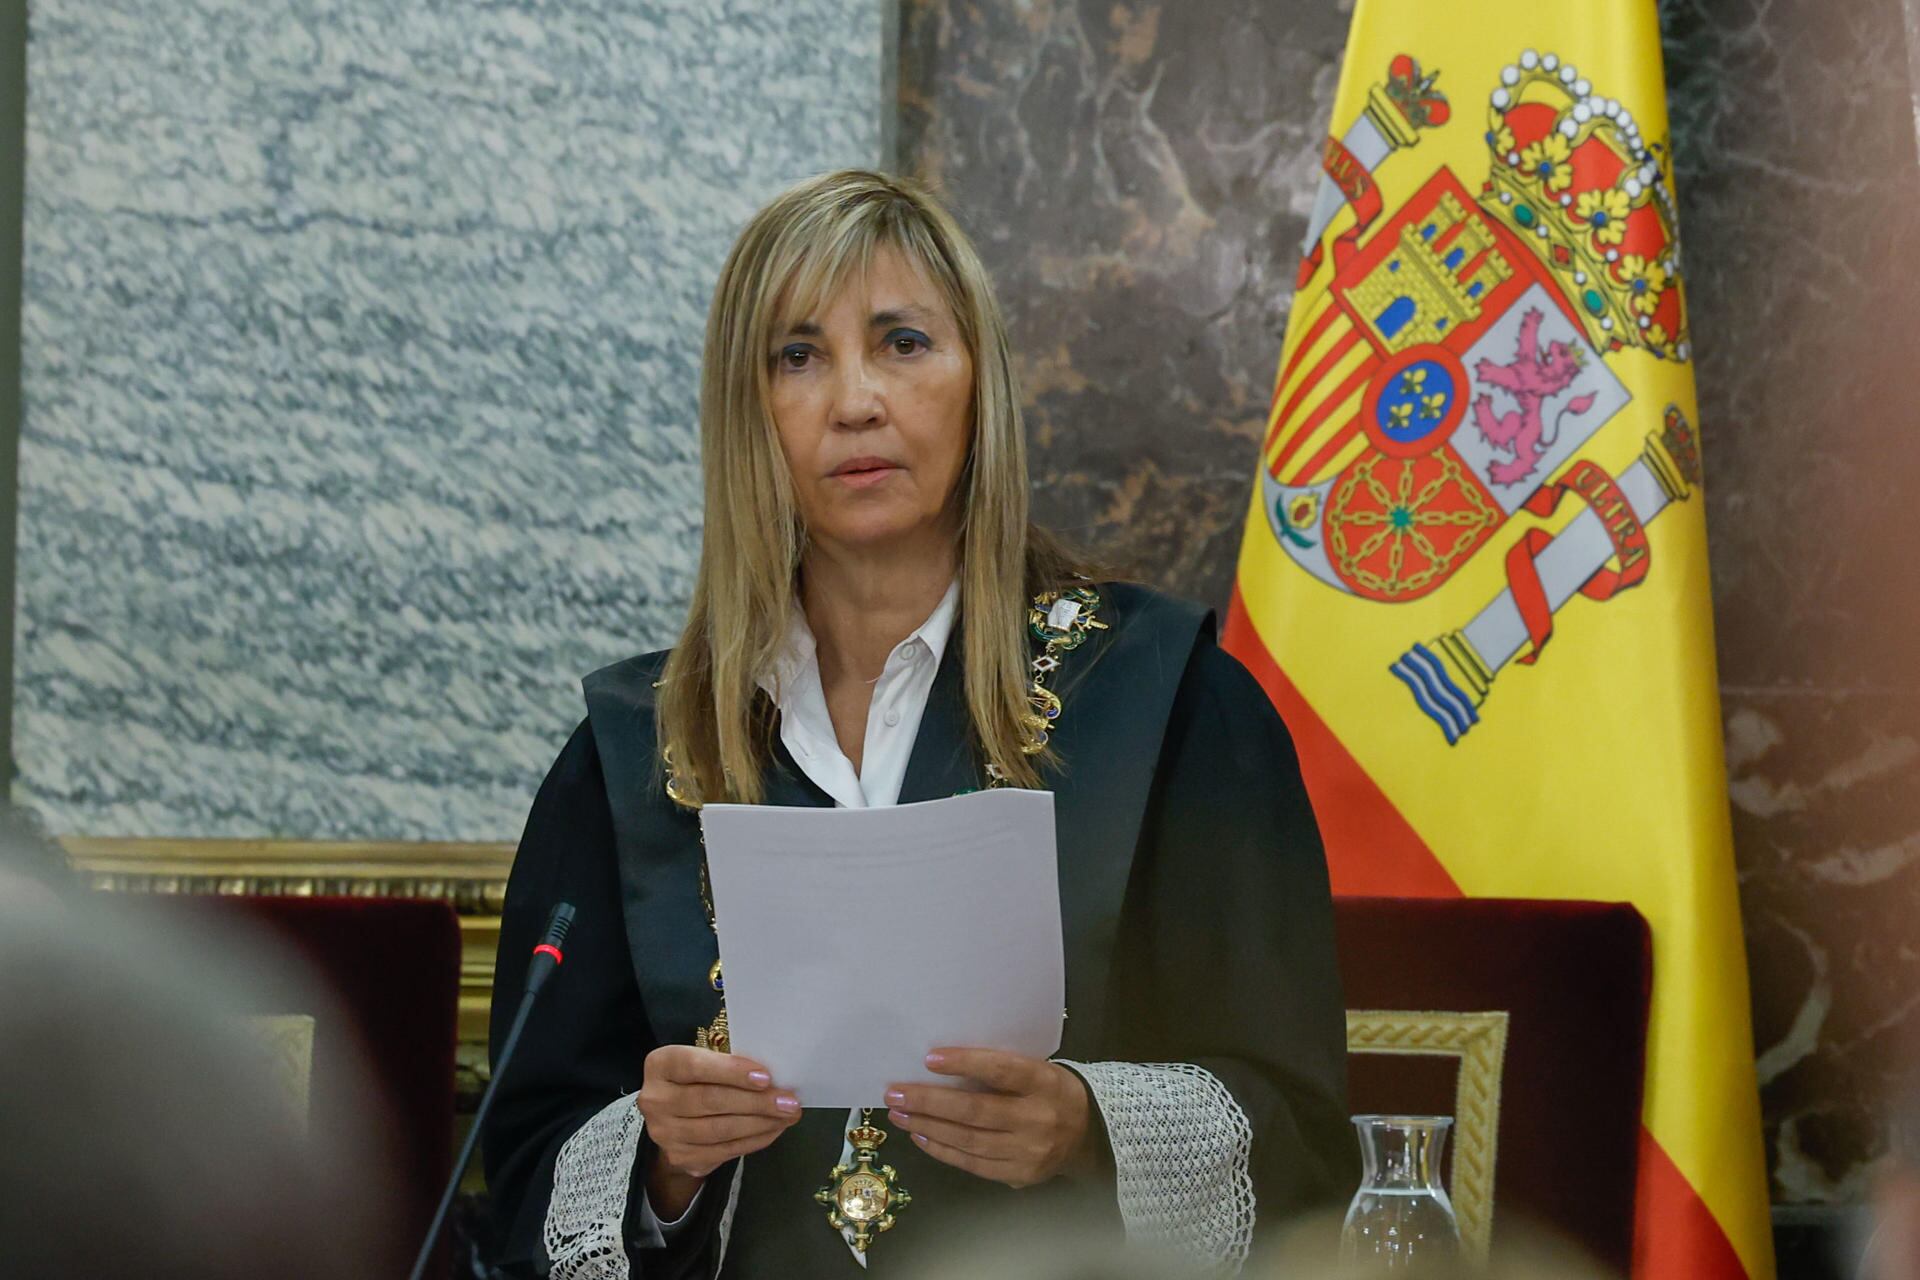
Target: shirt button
point(893, 718)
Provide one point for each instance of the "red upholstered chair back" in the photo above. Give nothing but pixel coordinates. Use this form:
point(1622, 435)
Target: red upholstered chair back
point(1526, 1021)
point(392, 968)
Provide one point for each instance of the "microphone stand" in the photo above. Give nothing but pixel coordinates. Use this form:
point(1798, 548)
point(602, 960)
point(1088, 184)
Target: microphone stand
point(546, 958)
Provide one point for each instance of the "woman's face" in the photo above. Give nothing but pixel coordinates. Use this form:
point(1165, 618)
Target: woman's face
point(873, 402)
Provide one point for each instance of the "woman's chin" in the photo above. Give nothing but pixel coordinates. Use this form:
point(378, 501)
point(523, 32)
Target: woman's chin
point(874, 531)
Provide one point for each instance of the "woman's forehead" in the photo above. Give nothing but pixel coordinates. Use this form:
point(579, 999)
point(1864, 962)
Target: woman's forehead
point(887, 278)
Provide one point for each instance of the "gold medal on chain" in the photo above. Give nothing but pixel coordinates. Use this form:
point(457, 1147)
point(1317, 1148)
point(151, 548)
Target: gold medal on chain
point(861, 1198)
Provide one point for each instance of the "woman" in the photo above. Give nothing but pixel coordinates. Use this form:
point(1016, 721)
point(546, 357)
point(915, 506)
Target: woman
point(875, 621)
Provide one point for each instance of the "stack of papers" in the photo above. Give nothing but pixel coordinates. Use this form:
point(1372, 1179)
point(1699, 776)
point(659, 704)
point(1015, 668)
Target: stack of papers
point(855, 940)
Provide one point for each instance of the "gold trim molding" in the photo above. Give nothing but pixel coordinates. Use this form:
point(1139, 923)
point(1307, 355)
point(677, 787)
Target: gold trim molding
point(473, 877)
point(1479, 1041)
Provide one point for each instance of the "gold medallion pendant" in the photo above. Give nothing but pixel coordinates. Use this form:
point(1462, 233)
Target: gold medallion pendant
point(858, 1196)
point(714, 1035)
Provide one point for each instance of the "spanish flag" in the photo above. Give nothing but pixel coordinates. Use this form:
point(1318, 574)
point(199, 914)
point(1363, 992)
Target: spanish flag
point(1474, 576)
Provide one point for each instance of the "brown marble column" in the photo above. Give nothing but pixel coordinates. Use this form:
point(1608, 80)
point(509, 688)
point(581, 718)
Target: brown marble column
point(1796, 151)
point(1138, 177)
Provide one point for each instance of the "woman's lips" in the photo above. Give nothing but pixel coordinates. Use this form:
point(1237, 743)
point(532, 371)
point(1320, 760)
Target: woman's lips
point(862, 473)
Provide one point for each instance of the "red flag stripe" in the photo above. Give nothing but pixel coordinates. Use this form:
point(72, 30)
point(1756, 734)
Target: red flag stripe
point(1311, 382)
point(1331, 450)
point(1319, 415)
point(1674, 1233)
point(1306, 345)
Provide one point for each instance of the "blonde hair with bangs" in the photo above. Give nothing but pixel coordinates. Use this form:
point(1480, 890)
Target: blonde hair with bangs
point(790, 258)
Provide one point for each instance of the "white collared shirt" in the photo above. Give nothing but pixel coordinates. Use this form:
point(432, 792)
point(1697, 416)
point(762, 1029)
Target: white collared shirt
point(893, 717)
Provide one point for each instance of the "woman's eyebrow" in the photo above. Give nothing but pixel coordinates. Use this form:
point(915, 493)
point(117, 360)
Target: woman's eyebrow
point(880, 319)
point(895, 315)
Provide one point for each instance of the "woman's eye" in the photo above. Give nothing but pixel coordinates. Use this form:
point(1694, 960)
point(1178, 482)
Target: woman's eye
point(794, 357)
point(907, 343)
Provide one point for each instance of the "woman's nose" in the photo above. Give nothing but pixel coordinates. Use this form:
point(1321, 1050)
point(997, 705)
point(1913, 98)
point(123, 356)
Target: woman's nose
point(857, 402)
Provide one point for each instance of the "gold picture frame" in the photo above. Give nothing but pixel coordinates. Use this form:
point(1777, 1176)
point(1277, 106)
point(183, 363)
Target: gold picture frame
point(1479, 1041)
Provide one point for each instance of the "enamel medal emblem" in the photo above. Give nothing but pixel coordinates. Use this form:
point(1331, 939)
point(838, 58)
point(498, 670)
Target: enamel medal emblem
point(860, 1198)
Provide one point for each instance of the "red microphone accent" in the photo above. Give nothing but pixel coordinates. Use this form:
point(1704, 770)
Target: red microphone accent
point(552, 951)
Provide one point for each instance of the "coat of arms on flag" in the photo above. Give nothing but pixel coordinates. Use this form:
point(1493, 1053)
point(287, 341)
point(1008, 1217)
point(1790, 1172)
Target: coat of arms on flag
point(1474, 572)
point(1458, 360)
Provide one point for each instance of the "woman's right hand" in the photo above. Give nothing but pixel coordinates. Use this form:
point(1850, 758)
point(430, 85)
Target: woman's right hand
point(703, 1109)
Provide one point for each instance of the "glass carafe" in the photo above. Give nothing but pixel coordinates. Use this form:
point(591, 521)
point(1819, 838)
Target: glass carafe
point(1401, 1219)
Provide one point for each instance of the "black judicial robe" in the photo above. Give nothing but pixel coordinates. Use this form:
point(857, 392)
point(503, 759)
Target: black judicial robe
point(1197, 922)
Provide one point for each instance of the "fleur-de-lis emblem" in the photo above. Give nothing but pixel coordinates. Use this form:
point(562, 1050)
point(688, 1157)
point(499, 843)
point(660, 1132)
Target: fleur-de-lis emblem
point(1401, 413)
point(1431, 406)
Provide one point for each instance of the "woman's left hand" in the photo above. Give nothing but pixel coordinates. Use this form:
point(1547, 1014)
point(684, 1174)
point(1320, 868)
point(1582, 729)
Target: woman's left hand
point(1031, 1127)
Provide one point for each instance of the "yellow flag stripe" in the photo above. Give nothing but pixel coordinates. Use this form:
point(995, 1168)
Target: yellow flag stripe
point(1307, 313)
point(1337, 342)
point(1299, 439)
point(1331, 416)
point(1314, 450)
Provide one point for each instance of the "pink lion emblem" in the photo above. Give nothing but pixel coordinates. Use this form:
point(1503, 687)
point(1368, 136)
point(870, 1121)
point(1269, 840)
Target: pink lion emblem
point(1531, 379)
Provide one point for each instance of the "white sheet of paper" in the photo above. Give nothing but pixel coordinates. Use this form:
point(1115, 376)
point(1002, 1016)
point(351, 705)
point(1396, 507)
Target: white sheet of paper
point(855, 940)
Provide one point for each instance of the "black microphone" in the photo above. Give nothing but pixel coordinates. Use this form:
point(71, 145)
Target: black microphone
point(548, 955)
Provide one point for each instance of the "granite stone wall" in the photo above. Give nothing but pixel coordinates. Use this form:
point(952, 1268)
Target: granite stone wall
point(360, 342)
point(1138, 175)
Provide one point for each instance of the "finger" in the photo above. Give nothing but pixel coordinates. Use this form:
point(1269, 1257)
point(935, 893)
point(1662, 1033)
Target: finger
point(989, 1144)
point(961, 1106)
point(995, 1068)
point(979, 1166)
point(684, 1064)
point(722, 1100)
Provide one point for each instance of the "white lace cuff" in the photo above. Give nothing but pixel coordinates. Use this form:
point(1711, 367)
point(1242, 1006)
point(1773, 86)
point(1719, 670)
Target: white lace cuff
point(1180, 1149)
point(591, 1179)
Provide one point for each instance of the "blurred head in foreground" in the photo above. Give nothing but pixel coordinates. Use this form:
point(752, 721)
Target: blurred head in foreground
point(1892, 1249)
point(143, 1130)
point(1307, 1248)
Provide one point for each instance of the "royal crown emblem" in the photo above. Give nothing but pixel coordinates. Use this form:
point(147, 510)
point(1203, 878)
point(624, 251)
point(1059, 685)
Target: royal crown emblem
point(1413, 95)
point(1447, 378)
point(1572, 172)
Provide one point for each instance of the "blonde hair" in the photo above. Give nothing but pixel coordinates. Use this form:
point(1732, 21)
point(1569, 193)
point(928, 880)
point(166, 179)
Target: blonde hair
point(791, 257)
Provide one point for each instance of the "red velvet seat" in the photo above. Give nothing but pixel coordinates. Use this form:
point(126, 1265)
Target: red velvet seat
point(392, 967)
point(1527, 1021)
